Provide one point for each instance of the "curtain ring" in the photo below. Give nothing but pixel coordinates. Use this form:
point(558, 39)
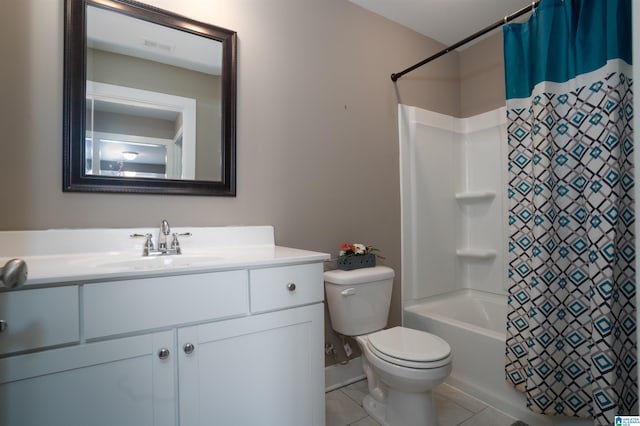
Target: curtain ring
point(505, 19)
point(533, 8)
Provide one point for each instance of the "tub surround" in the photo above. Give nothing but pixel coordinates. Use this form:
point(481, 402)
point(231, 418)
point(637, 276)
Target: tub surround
point(454, 272)
point(230, 334)
point(454, 222)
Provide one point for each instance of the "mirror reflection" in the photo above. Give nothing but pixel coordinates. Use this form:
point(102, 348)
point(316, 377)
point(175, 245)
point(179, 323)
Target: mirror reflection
point(141, 117)
point(146, 134)
point(159, 101)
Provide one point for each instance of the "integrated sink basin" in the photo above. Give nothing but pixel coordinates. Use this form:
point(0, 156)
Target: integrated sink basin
point(158, 262)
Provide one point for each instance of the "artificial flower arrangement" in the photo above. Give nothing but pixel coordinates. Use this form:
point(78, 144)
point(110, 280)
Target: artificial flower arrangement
point(354, 256)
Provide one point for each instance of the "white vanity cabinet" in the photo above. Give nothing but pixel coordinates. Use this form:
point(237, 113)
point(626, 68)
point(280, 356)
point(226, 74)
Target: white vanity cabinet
point(115, 382)
point(258, 370)
point(263, 369)
point(232, 347)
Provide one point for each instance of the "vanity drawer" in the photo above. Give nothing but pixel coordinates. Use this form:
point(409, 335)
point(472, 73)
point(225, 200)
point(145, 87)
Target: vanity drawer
point(39, 318)
point(128, 306)
point(271, 288)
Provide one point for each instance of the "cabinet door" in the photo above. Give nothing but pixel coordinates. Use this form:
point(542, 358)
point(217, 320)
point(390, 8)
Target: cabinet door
point(263, 370)
point(119, 382)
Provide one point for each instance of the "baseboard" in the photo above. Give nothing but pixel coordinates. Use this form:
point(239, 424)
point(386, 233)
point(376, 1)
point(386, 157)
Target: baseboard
point(337, 375)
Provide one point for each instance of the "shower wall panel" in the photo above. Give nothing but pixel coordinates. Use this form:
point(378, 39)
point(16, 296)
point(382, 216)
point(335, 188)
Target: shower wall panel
point(453, 175)
point(430, 156)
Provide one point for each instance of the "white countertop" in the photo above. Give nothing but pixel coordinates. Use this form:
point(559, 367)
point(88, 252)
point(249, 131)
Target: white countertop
point(87, 255)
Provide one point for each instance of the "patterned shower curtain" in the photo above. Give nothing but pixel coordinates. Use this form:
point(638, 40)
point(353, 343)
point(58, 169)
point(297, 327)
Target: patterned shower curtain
point(571, 326)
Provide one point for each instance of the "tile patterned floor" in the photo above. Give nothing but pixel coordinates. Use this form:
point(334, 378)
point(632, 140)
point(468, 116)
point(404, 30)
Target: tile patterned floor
point(453, 408)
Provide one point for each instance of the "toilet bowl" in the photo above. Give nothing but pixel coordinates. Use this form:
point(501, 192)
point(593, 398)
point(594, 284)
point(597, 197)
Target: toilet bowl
point(402, 365)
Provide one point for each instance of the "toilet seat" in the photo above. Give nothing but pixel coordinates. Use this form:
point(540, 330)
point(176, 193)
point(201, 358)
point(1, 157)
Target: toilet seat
point(410, 348)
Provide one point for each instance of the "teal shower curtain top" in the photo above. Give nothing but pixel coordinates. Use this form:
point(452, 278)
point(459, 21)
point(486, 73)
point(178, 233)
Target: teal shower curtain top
point(565, 39)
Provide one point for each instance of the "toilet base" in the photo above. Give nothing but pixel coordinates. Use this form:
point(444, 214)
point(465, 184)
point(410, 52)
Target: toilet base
point(402, 409)
point(376, 410)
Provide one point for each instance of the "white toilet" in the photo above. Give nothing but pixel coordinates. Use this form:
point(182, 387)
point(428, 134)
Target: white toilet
point(402, 365)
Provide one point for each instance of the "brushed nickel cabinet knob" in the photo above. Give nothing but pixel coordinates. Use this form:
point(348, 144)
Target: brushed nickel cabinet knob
point(163, 354)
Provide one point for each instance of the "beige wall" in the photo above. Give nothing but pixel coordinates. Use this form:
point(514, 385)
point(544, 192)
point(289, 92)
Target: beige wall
point(482, 76)
point(317, 124)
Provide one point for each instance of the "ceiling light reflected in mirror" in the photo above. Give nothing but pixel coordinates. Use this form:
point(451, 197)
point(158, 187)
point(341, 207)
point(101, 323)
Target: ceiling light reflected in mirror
point(129, 155)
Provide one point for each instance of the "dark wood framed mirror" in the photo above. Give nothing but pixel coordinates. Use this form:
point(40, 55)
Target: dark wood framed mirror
point(149, 101)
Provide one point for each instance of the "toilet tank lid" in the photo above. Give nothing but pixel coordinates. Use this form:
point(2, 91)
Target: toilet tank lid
point(359, 276)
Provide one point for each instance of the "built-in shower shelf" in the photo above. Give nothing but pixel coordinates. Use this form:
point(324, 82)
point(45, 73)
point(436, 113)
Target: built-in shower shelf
point(470, 196)
point(474, 253)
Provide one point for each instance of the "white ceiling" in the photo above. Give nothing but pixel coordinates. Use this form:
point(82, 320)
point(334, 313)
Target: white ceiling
point(447, 21)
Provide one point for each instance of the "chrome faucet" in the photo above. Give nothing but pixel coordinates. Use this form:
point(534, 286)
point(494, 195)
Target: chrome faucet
point(148, 248)
point(165, 229)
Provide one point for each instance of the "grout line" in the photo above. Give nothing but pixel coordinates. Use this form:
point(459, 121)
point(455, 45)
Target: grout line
point(472, 416)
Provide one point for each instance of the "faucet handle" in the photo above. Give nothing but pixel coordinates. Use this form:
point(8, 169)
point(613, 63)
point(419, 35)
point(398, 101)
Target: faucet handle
point(148, 244)
point(175, 244)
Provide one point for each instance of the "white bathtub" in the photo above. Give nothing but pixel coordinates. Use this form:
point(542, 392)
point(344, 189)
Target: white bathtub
point(473, 323)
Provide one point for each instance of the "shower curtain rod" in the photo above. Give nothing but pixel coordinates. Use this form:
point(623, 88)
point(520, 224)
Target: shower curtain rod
point(483, 31)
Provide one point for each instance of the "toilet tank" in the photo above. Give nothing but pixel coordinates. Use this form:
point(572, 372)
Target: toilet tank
point(359, 300)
